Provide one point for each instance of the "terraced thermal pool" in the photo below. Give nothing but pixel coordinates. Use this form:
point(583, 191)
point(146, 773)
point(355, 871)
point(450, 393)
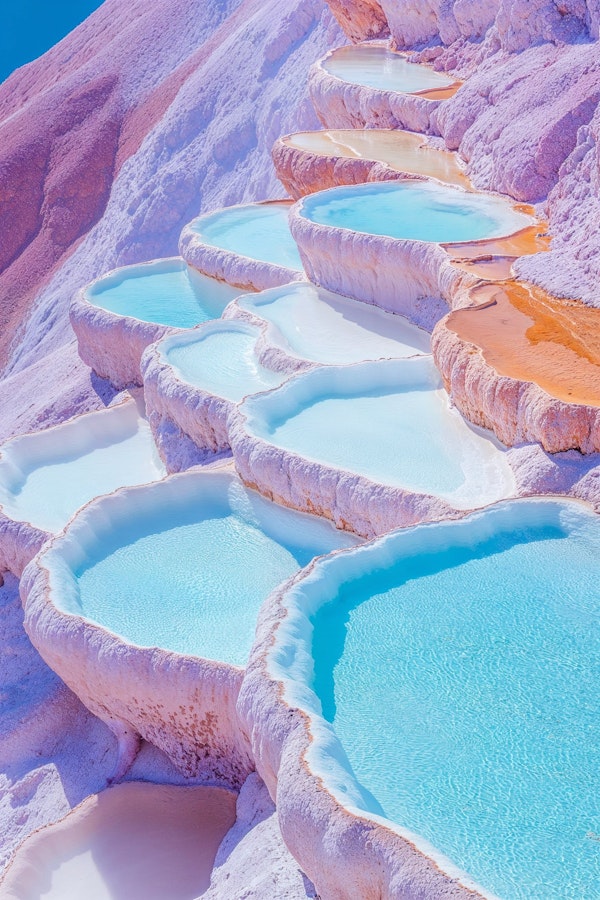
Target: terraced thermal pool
point(389, 421)
point(459, 666)
point(45, 477)
point(318, 325)
point(416, 211)
point(256, 230)
point(186, 567)
point(404, 151)
point(375, 66)
point(221, 360)
point(166, 292)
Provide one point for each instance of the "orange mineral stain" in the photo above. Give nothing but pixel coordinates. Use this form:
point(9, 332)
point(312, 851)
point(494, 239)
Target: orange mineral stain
point(529, 335)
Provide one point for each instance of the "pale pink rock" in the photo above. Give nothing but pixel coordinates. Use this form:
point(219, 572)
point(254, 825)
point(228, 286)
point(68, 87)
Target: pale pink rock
point(361, 20)
point(517, 411)
point(184, 705)
point(341, 104)
point(225, 265)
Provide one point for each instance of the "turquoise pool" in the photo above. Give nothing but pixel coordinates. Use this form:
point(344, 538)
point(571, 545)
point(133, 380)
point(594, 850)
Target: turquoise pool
point(186, 568)
point(166, 292)
point(414, 210)
point(256, 230)
point(459, 668)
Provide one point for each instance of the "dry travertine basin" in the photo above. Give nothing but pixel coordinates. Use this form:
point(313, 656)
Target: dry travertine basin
point(248, 245)
point(311, 161)
point(371, 446)
point(120, 314)
point(526, 365)
point(146, 607)
point(370, 85)
point(132, 840)
point(46, 476)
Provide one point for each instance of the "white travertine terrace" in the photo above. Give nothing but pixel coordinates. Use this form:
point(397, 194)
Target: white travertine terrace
point(418, 279)
point(195, 396)
point(312, 324)
point(328, 820)
point(366, 503)
point(47, 475)
point(182, 703)
point(112, 340)
point(312, 161)
point(233, 266)
point(341, 103)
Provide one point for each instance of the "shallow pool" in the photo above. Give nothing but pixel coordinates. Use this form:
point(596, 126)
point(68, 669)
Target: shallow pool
point(460, 671)
point(166, 292)
point(45, 477)
point(388, 421)
point(187, 567)
point(324, 327)
point(375, 66)
point(256, 230)
point(222, 361)
point(414, 210)
point(405, 151)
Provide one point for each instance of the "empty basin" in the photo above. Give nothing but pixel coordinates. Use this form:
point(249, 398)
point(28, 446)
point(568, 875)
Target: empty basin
point(317, 325)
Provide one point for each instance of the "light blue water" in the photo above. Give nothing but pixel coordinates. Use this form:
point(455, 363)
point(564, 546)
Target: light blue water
point(224, 363)
point(192, 580)
point(30, 27)
point(464, 687)
point(414, 210)
point(393, 438)
point(258, 231)
point(378, 67)
point(55, 488)
point(167, 293)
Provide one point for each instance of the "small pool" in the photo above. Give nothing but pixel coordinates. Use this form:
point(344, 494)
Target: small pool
point(47, 476)
point(135, 839)
point(375, 66)
point(256, 230)
point(405, 151)
point(165, 292)
point(323, 327)
point(221, 360)
point(459, 666)
point(388, 421)
point(185, 567)
point(415, 211)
